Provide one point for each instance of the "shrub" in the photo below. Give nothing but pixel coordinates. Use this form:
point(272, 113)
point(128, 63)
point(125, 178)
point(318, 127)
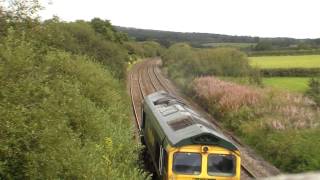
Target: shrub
point(290, 150)
point(62, 116)
point(81, 38)
point(314, 90)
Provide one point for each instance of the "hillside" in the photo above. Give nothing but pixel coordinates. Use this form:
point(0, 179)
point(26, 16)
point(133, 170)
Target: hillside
point(167, 38)
point(197, 39)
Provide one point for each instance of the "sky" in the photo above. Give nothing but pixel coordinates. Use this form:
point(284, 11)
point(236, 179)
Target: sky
point(264, 18)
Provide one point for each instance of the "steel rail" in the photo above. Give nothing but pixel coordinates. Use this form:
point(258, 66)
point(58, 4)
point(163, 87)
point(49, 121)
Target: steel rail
point(133, 104)
point(152, 80)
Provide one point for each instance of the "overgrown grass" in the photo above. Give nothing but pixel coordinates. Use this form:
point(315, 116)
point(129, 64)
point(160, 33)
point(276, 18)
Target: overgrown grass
point(282, 126)
point(304, 61)
point(293, 84)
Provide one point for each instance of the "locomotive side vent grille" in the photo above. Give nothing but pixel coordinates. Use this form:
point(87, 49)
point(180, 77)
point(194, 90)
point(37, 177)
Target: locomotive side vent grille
point(180, 123)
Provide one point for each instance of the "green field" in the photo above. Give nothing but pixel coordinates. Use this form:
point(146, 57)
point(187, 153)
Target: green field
point(305, 61)
point(236, 45)
point(294, 84)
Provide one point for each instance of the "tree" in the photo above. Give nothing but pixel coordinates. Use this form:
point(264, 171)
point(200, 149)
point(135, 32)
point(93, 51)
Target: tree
point(3, 22)
point(304, 45)
point(22, 10)
point(263, 46)
point(105, 28)
point(21, 16)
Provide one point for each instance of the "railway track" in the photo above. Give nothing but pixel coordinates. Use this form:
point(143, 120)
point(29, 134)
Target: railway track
point(145, 78)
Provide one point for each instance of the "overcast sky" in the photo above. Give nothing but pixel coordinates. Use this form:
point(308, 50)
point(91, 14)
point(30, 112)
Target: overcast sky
point(266, 18)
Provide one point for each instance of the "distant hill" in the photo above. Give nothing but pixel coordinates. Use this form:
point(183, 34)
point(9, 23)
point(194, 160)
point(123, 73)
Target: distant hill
point(166, 38)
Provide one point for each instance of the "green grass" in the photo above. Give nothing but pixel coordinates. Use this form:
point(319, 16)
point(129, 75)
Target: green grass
point(236, 45)
point(305, 61)
point(293, 84)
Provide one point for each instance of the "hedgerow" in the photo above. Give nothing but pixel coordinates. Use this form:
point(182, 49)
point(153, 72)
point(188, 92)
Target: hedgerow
point(290, 72)
point(283, 52)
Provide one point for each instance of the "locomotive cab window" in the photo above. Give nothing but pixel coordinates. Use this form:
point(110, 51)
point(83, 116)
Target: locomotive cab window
point(221, 165)
point(187, 163)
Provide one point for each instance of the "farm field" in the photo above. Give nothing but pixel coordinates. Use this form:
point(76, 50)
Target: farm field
point(305, 61)
point(293, 84)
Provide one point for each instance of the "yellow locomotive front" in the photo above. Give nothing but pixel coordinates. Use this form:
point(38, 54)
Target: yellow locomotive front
point(203, 162)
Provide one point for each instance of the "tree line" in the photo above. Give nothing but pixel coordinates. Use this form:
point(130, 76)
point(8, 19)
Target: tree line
point(168, 38)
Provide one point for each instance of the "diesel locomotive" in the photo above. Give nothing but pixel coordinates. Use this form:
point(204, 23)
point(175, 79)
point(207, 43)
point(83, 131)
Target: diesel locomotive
point(184, 145)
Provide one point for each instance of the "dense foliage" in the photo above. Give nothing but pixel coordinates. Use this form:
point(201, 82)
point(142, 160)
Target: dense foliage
point(144, 49)
point(85, 38)
point(184, 62)
point(61, 115)
point(64, 113)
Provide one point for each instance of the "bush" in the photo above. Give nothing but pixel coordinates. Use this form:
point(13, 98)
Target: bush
point(314, 90)
point(62, 117)
point(81, 38)
point(295, 154)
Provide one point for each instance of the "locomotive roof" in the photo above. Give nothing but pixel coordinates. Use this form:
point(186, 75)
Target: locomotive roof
point(183, 126)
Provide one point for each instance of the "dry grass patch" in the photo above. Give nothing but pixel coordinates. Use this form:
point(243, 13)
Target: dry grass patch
point(228, 96)
point(276, 109)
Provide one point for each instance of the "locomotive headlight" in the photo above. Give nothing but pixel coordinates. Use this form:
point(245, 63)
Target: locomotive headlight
point(205, 149)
